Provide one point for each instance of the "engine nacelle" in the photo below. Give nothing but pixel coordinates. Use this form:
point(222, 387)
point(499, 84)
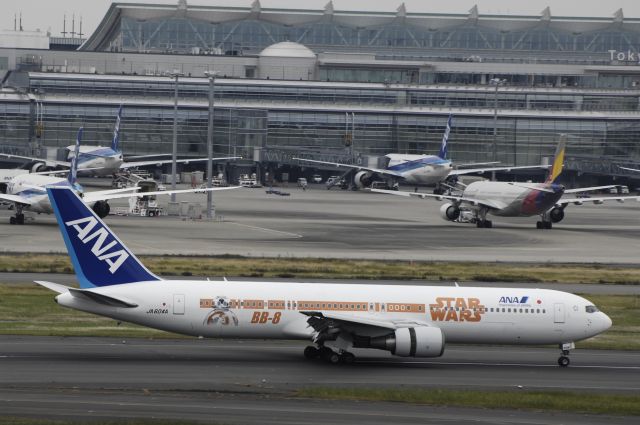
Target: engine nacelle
point(449, 212)
point(101, 208)
point(421, 341)
point(38, 167)
point(363, 179)
point(556, 214)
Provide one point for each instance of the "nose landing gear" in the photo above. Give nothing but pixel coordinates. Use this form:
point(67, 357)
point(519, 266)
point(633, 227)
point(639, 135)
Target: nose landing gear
point(563, 360)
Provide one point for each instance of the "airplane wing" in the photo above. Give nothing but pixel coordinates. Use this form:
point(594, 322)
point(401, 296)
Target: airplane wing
point(600, 200)
point(134, 164)
point(353, 167)
point(464, 171)
point(590, 189)
point(90, 197)
point(459, 199)
point(15, 199)
point(330, 322)
point(48, 162)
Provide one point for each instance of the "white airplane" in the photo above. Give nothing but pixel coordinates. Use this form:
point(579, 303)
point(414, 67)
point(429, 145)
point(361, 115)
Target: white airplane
point(416, 169)
point(515, 199)
point(408, 321)
point(27, 192)
point(104, 161)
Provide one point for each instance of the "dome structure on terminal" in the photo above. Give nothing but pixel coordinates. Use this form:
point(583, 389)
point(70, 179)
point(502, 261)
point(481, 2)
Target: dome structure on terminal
point(288, 49)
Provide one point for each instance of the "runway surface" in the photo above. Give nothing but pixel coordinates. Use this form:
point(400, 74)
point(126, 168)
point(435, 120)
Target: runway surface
point(241, 381)
point(582, 288)
point(336, 223)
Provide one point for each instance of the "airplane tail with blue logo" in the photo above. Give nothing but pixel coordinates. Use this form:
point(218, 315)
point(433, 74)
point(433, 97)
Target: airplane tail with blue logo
point(115, 142)
point(558, 160)
point(72, 177)
point(98, 256)
point(445, 139)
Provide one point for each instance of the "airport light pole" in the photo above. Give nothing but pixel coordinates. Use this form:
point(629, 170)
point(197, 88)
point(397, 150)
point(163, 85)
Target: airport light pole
point(211, 212)
point(174, 152)
point(497, 82)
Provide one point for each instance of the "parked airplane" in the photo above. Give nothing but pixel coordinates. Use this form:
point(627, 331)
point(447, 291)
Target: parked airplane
point(28, 191)
point(515, 199)
point(415, 169)
point(408, 321)
point(104, 161)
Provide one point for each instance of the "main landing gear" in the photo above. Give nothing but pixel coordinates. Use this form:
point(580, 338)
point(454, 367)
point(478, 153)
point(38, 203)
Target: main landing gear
point(19, 217)
point(328, 355)
point(544, 225)
point(481, 219)
point(563, 360)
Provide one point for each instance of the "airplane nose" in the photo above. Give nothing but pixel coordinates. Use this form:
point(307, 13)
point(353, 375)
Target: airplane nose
point(606, 322)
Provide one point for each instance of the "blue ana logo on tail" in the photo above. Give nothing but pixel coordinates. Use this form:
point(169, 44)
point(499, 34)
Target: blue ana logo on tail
point(445, 138)
point(99, 249)
point(99, 258)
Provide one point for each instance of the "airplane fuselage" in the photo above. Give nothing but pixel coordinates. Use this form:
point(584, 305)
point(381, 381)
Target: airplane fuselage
point(97, 160)
point(419, 169)
point(515, 200)
point(273, 309)
point(33, 188)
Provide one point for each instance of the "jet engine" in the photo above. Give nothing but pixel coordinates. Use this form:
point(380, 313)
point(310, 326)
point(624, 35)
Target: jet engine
point(556, 214)
point(421, 341)
point(449, 212)
point(38, 167)
point(363, 179)
point(101, 208)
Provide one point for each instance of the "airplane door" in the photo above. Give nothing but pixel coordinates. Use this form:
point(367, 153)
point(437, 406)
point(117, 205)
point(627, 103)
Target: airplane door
point(558, 313)
point(178, 303)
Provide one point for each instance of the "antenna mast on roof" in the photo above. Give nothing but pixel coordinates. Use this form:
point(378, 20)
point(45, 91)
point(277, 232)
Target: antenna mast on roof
point(80, 32)
point(64, 26)
point(20, 21)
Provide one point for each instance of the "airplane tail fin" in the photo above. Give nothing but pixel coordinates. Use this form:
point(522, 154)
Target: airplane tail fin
point(98, 256)
point(72, 177)
point(445, 138)
point(115, 142)
point(558, 160)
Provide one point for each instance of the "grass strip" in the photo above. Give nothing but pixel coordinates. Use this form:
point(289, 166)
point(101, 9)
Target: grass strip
point(13, 420)
point(348, 269)
point(594, 403)
point(30, 310)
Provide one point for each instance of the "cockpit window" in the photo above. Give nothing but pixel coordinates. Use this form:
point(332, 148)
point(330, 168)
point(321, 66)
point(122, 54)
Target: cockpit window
point(591, 309)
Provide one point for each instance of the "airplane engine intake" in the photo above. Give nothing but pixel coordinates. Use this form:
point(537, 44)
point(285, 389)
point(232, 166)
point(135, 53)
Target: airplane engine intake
point(38, 167)
point(449, 212)
point(363, 179)
point(556, 215)
point(101, 208)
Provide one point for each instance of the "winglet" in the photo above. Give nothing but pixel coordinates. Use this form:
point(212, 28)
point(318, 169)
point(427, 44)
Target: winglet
point(445, 138)
point(115, 142)
point(99, 258)
point(558, 160)
point(72, 177)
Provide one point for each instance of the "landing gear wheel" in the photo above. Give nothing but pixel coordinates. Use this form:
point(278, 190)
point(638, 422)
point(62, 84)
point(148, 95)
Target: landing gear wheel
point(12, 220)
point(311, 352)
point(487, 224)
point(20, 219)
point(329, 356)
point(539, 225)
point(547, 224)
point(347, 358)
point(563, 361)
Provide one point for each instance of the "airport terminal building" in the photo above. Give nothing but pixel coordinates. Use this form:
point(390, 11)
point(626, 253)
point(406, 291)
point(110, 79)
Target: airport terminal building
point(335, 85)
